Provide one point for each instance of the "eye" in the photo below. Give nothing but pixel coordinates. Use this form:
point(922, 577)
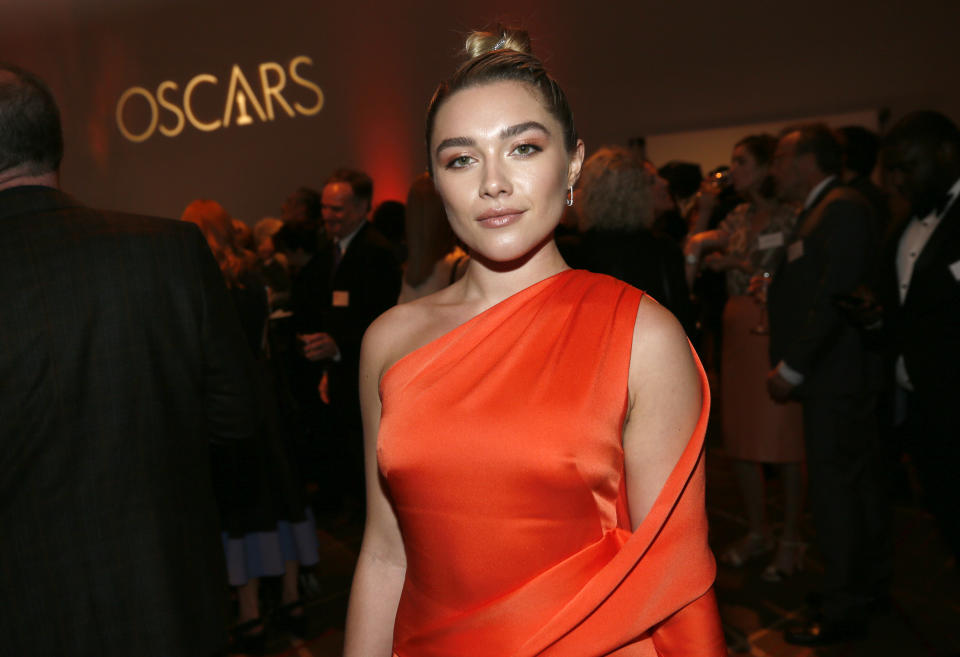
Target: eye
point(526, 150)
point(459, 162)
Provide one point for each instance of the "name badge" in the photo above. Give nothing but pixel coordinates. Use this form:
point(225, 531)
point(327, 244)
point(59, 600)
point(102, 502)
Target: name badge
point(955, 270)
point(769, 241)
point(341, 299)
point(795, 251)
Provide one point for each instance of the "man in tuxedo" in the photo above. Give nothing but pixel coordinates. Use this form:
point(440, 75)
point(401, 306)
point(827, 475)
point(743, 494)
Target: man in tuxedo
point(921, 298)
point(120, 358)
point(352, 280)
point(821, 359)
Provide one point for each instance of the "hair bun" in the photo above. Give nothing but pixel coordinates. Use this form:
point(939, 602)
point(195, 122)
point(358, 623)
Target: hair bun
point(503, 38)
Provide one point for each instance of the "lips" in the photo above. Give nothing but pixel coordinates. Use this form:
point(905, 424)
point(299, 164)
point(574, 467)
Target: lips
point(499, 217)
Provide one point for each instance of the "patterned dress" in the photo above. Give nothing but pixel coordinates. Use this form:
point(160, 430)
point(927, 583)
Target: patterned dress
point(754, 427)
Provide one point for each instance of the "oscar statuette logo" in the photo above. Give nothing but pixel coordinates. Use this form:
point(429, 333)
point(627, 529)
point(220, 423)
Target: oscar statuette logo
point(169, 112)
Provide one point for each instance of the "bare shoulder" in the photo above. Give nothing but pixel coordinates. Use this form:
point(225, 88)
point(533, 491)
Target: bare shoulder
point(386, 336)
point(406, 327)
point(657, 329)
point(661, 355)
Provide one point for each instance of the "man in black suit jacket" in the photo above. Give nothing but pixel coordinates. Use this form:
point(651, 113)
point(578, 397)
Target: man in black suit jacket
point(352, 280)
point(821, 358)
point(921, 299)
point(120, 358)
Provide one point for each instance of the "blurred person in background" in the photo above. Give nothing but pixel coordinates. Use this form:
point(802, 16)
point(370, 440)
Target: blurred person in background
point(122, 362)
point(861, 147)
point(756, 431)
point(823, 360)
point(435, 260)
point(351, 280)
point(303, 233)
point(684, 180)
point(667, 219)
point(267, 531)
point(616, 195)
point(920, 294)
point(390, 217)
point(273, 263)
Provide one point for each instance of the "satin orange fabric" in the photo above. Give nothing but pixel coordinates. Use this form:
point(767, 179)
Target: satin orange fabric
point(500, 444)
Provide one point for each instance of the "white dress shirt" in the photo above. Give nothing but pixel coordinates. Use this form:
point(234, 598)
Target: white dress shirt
point(911, 245)
point(344, 242)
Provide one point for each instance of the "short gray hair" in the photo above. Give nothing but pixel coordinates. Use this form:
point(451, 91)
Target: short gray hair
point(615, 191)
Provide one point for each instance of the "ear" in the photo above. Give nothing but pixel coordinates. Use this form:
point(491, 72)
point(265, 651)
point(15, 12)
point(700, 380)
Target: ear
point(576, 163)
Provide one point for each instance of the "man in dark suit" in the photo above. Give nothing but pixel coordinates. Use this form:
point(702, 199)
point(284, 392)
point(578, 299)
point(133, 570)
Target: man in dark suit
point(820, 357)
point(860, 149)
point(120, 357)
point(921, 299)
point(352, 280)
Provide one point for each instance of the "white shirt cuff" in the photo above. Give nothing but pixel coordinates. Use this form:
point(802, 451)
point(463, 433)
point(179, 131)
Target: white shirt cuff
point(790, 375)
point(903, 379)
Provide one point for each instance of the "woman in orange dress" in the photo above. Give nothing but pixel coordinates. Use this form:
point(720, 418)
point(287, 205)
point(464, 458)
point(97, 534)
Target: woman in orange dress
point(533, 433)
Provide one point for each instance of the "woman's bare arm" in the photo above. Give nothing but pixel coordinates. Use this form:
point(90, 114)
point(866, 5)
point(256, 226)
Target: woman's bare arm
point(665, 403)
point(378, 579)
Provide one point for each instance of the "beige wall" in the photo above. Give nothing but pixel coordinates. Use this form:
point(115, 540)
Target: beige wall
point(713, 146)
point(637, 68)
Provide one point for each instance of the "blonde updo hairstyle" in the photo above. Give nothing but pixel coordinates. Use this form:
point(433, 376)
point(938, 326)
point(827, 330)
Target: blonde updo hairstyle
point(615, 191)
point(503, 55)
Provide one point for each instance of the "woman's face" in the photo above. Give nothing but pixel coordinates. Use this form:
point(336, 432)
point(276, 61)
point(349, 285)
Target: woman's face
point(501, 168)
point(745, 174)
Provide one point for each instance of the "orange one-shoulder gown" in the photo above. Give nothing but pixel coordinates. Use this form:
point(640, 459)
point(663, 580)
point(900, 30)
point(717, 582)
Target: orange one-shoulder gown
point(500, 443)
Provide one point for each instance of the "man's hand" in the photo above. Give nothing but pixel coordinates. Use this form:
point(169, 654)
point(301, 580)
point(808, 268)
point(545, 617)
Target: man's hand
point(779, 388)
point(318, 346)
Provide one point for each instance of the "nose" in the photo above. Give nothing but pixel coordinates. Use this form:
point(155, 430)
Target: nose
point(495, 180)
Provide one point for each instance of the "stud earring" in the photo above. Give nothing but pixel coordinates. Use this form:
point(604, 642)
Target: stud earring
point(570, 196)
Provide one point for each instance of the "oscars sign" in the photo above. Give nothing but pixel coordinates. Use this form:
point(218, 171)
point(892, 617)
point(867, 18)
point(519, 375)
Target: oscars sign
point(169, 111)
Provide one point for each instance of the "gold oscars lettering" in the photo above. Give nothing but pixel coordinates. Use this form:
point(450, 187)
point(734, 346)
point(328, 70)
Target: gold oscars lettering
point(170, 111)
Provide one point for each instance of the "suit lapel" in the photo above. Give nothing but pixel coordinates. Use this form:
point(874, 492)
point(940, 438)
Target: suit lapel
point(946, 227)
point(810, 212)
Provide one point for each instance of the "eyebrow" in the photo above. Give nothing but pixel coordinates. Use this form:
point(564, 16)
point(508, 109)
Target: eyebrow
point(506, 133)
